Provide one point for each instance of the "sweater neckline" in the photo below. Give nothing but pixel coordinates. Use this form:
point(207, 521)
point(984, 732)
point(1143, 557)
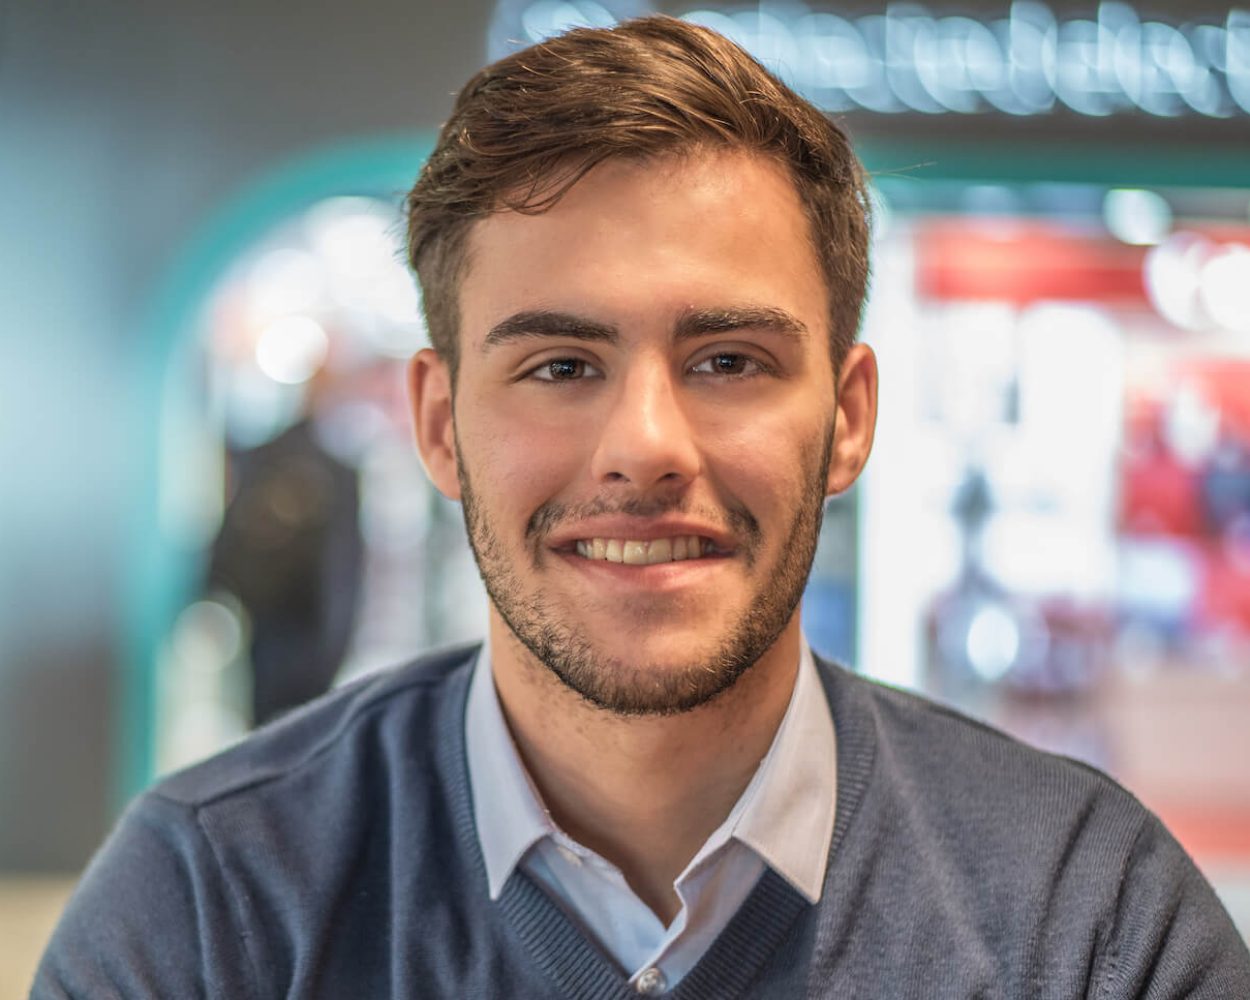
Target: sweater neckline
point(754, 934)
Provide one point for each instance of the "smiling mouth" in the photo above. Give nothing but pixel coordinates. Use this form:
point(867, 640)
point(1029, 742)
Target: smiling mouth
point(646, 553)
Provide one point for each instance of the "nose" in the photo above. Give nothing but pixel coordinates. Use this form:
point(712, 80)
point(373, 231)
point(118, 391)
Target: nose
point(646, 438)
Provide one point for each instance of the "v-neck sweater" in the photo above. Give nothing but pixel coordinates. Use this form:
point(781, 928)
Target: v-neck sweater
point(782, 820)
point(334, 854)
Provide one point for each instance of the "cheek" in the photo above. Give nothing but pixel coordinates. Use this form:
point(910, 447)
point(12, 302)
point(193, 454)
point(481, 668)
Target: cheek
point(517, 462)
point(774, 449)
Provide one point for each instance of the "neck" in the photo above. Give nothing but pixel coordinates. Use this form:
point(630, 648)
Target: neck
point(644, 792)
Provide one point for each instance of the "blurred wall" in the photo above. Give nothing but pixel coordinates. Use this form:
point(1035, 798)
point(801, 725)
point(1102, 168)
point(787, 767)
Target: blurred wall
point(123, 126)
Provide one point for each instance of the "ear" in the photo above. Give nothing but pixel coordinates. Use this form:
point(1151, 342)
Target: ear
point(856, 417)
point(429, 390)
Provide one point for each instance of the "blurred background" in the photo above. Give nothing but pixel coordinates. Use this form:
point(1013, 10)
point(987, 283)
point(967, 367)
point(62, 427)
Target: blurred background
point(211, 510)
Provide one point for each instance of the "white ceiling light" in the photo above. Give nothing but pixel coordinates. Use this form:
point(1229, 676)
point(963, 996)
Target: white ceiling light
point(1224, 287)
point(292, 349)
point(1140, 218)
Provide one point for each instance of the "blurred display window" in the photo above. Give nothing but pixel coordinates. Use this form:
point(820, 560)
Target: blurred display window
point(1056, 518)
point(322, 552)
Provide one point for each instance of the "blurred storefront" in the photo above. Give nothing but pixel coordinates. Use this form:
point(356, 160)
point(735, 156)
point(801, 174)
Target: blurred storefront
point(1055, 518)
point(311, 546)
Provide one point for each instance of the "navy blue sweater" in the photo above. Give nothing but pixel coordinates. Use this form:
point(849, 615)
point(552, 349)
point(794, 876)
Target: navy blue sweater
point(334, 855)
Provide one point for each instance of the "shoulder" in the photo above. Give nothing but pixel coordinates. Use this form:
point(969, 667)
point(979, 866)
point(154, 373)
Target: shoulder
point(393, 712)
point(1004, 850)
point(217, 878)
point(934, 753)
point(955, 802)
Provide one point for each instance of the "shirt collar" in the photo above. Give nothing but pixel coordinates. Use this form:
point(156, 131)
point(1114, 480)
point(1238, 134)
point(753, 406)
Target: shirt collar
point(785, 814)
point(507, 808)
point(788, 809)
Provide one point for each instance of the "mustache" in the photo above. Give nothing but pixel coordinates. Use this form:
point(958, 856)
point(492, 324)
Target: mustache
point(739, 521)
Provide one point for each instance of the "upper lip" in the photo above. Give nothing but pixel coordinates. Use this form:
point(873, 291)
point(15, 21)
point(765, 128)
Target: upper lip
point(638, 529)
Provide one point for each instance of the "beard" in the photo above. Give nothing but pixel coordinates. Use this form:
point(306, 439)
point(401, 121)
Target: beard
point(628, 688)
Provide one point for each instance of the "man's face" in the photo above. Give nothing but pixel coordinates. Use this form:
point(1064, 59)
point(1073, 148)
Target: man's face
point(642, 420)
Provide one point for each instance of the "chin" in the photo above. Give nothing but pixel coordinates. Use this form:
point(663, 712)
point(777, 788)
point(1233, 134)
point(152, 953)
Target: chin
point(644, 678)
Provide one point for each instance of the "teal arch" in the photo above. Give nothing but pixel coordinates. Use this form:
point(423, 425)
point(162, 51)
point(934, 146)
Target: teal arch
point(158, 576)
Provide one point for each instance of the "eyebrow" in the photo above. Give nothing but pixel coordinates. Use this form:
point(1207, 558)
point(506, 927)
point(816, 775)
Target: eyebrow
point(546, 323)
point(702, 322)
point(693, 323)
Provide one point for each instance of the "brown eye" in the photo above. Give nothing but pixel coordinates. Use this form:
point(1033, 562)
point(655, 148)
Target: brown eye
point(564, 370)
point(727, 363)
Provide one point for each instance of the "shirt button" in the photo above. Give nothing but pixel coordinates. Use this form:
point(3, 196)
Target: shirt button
point(652, 983)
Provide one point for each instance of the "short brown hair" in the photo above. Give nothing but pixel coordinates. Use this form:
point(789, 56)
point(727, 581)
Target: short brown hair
point(526, 128)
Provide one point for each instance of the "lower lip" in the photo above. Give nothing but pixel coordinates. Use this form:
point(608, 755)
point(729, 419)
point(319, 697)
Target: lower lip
point(650, 575)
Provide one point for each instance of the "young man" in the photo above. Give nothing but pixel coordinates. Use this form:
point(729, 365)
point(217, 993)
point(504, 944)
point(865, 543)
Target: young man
point(643, 261)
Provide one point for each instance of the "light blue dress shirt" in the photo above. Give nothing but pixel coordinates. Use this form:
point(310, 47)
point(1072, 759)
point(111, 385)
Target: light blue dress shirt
point(784, 819)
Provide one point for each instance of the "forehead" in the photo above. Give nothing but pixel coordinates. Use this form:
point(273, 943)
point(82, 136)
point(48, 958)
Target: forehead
point(636, 239)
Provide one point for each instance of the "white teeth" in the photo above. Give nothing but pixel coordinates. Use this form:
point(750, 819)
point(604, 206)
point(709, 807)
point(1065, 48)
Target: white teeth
point(641, 553)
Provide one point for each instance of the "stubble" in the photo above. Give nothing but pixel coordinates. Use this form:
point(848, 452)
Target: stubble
point(634, 688)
